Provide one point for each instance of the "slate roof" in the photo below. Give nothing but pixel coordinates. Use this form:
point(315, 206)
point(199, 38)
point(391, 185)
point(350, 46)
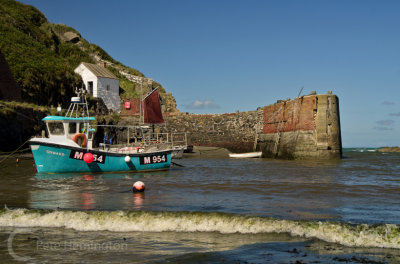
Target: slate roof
point(99, 71)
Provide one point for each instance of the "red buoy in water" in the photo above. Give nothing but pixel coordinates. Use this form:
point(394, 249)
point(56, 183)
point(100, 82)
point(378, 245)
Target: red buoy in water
point(88, 157)
point(138, 187)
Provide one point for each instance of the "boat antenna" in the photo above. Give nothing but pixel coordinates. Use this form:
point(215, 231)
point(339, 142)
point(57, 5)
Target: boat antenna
point(78, 103)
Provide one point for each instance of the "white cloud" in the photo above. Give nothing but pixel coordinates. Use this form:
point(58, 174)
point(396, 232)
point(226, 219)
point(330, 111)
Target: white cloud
point(197, 104)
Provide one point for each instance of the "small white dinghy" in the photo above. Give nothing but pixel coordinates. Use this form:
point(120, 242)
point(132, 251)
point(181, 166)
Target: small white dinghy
point(246, 155)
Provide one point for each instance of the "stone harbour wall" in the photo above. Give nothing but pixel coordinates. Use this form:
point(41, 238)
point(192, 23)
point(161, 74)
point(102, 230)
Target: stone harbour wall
point(235, 131)
point(303, 128)
point(306, 127)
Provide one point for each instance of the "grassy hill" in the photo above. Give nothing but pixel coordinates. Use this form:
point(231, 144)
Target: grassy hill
point(42, 56)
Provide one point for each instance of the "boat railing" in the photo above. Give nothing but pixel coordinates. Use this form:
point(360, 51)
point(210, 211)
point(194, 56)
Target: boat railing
point(127, 138)
point(132, 149)
point(179, 139)
point(160, 138)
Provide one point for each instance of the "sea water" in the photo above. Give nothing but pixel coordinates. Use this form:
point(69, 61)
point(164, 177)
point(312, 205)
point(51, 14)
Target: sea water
point(212, 210)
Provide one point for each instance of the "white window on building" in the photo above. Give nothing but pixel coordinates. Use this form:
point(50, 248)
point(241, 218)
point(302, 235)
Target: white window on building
point(108, 87)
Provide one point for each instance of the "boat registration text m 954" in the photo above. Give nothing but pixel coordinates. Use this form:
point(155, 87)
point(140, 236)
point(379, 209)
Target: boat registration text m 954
point(152, 159)
point(75, 154)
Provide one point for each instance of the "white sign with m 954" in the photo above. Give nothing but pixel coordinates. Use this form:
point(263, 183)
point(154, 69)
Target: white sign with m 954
point(76, 154)
point(151, 159)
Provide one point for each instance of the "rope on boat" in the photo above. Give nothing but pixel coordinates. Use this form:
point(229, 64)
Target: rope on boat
point(11, 153)
point(176, 164)
point(8, 152)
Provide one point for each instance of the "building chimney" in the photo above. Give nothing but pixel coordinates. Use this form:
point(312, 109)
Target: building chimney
point(103, 64)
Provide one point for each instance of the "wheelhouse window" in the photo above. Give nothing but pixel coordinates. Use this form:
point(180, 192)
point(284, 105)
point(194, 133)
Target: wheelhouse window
point(56, 128)
point(72, 128)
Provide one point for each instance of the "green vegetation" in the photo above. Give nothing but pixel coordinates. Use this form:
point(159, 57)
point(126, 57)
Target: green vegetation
point(128, 89)
point(10, 110)
point(43, 62)
point(12, 105)
point(160, 88)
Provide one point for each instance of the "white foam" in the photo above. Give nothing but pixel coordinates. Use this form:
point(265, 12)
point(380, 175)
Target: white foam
point(385, 236)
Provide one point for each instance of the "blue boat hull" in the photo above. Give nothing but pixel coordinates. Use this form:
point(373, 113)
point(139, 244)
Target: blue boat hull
point(56, 158)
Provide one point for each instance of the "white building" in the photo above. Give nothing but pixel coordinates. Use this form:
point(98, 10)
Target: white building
point(102, 83)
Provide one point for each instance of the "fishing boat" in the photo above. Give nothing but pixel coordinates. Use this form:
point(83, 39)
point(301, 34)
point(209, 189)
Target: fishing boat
point(177, 152)
point(246, 155)
point(69, 146)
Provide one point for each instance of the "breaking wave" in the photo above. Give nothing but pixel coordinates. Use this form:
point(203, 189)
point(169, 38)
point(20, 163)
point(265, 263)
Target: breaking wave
point(361, 235)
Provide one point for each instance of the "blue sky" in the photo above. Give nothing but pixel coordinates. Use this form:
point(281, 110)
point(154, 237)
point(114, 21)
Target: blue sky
point(219, 56)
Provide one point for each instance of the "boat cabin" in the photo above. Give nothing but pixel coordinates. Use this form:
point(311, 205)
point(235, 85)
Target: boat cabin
point(75, 129)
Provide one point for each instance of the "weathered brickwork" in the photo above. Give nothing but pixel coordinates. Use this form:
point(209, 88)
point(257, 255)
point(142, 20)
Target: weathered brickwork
point(133, 110)
point(168, 105)
point(306, 127)
point(290, 115)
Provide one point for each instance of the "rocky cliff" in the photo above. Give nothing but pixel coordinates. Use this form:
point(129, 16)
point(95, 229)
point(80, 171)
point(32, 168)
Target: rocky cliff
point(42, 57)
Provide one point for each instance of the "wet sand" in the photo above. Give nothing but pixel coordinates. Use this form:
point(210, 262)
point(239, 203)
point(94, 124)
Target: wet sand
point(208, 152)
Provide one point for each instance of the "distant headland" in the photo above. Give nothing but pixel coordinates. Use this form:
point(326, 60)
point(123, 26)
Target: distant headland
point(389, 149)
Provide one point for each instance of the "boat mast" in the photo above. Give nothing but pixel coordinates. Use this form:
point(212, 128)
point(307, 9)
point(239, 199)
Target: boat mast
point(141, 102)
point(78, 103)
